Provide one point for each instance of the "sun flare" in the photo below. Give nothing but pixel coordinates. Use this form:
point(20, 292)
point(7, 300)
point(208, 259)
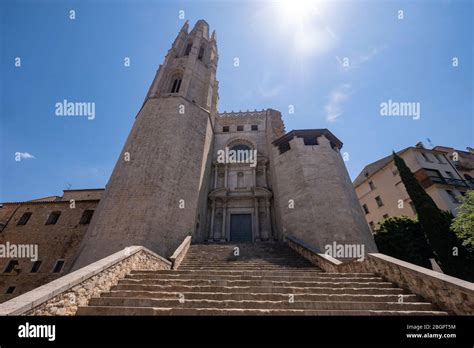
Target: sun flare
point(302, 22)
point(297, 11)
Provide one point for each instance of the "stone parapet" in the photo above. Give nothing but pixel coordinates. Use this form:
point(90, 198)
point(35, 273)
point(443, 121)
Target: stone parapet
point(63, 296)
point(180, 252)
point(448, 293)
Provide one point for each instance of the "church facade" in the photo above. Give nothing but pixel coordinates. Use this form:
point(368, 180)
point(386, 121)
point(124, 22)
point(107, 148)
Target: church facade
point(175, 176)
point(187, 169)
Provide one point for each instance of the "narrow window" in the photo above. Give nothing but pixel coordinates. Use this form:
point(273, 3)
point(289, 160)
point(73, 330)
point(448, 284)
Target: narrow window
point(24, 219)
point(53, 218)
point(255, 127)
point(371, 185)
point(372, 226)
point(58, 266)
point(225, 129)
point(366, 209)
point(173, 88)
point(310, 140)
point(451, 194)
point(394, 171)
point(36, 267)
point(240, 128)
point(283, 147)
point(188, 48)
point(201, 53)
point(240, 179)
point(176, 85)
point(86, 217)
point(379, 201)
point(10, 290)
point(11, 266)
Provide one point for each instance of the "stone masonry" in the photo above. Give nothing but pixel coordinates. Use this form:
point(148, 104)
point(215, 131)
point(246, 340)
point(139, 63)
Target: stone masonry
point(170, 180)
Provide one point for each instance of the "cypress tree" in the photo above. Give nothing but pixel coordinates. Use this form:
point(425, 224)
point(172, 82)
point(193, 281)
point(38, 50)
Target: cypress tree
point(436, 225)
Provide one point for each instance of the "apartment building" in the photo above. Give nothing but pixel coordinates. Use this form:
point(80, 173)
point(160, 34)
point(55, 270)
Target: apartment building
point(445, 173)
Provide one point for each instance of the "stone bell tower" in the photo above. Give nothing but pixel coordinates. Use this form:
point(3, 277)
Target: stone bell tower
point(157, 193)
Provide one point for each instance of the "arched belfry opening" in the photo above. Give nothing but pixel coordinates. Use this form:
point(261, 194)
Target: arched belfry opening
point(176, 81)
point(201, 52)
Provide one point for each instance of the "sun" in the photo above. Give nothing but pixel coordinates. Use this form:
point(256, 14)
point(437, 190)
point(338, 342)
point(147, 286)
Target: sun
point(294, 12)
point(301, 23)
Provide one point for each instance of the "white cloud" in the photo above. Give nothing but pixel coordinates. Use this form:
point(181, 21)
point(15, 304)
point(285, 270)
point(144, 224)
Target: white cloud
point(336, 98)
point(24, 155)
point(357, 60)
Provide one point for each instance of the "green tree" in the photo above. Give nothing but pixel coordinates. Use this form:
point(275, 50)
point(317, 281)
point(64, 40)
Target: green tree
point(403, 238)
point(448, 250)
point(463, 224)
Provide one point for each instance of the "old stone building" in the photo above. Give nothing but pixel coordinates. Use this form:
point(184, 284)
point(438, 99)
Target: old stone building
point(55, 225)
point(187, 169)
point(445, 174)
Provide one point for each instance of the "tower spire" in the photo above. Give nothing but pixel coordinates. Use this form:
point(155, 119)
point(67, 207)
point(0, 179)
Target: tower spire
point(185, 26)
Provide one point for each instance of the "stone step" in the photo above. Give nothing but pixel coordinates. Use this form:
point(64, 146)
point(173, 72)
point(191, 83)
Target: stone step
point(246, 262)
point(243, 258)
point(211, 255)
point(261, 268)
point(200, 276)
point(261, 273)
point(248, 304)
point(107, 310)
point(265, 279)
point(313, 283)
point(242, 255)
point(244, 268)
point(369, 290)
point(232, 257)
point(262, 296)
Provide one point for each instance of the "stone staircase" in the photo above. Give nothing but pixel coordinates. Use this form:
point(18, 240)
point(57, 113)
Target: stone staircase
point(264, 279)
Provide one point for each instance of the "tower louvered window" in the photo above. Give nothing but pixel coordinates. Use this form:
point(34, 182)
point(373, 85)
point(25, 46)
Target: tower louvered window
point(176, 85)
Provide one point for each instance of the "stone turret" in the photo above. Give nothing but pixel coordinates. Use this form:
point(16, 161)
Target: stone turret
point(314, 197)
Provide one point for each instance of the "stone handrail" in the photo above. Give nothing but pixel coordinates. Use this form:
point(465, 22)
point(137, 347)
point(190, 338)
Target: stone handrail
point(63, 295)
point(448, 293)
point(180, 253)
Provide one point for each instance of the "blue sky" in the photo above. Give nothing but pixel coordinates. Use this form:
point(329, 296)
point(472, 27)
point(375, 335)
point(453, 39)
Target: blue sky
point(288, 56)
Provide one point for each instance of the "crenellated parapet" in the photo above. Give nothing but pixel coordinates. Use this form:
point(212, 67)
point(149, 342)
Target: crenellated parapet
point(241, 114)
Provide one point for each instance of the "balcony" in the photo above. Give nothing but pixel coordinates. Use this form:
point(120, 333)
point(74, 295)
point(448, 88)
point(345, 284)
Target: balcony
point(430, 180)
